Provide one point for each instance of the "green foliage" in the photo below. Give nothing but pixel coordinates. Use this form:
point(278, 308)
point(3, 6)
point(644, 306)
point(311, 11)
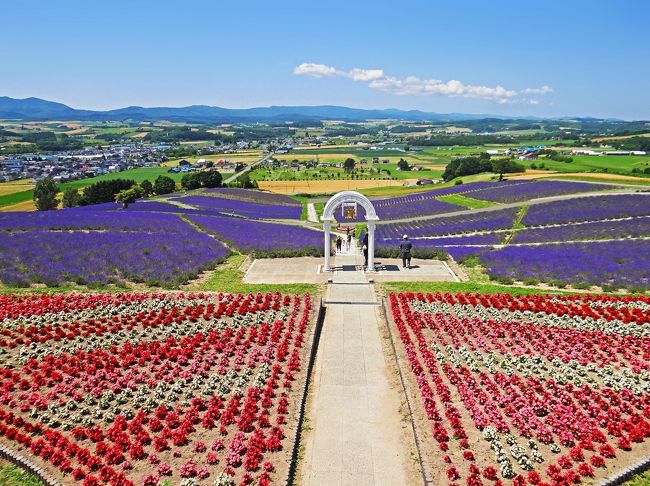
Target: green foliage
point(71, 198)
point(129, 196)
point(45, 194)
point(423, 253)
point(10, 475)
point(463, 166)
point(246, 182)
point(315, 251)
point(147, 187)
point(196, 180)
point(402, 164)
point(348, 165)
point(104, 191)
point(502, 166)
point(164, 185)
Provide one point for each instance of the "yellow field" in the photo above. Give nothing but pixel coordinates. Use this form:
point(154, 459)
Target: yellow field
point(530, 174)
point(311, 187)
point(22, 206)
point(15, 186)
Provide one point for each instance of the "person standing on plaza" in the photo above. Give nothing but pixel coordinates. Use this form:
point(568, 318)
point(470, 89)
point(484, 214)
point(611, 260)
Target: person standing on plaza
point(338, 244)
point(364, 246)
point(405, 249)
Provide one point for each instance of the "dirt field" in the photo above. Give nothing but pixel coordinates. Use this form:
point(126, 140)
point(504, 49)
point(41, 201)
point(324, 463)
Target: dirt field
point(296, 187)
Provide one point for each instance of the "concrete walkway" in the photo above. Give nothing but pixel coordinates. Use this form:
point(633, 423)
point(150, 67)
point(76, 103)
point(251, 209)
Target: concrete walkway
point(357, 437)
point(311, 213)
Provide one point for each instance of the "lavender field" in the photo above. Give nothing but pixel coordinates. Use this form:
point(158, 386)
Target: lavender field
point(263, 238)
point(466, 223)
point(158, 258)
point(238, 207)
point(610, 263)
point(517, 191)
point(592, 208)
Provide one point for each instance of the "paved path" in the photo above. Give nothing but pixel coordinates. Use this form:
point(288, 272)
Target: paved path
point(311, 213)
point(357, 438)
point(249, 167)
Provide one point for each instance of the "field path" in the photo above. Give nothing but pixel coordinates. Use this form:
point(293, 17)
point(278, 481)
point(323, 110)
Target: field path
point(357, 436)
point(311, 213)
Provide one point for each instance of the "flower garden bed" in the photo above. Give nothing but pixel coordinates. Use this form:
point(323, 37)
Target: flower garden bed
point(135, 388)
point(534, 390)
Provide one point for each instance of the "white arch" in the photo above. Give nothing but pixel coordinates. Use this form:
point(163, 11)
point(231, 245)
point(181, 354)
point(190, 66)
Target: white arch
point(328, 217)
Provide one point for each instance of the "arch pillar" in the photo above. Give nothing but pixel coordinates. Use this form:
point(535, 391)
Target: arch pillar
point(371, 246)
point(327, 227)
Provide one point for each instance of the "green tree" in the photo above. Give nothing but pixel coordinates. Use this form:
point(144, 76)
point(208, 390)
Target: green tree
point(501, 166)
point(147, 187)
point(71, 198)
point(348, 165)
point(45, 194)
point(104, 191)
point(190, 181)
point(129, 196)
point(210, 178)
point(164, 185)
point(403, 165)
point(246, 182)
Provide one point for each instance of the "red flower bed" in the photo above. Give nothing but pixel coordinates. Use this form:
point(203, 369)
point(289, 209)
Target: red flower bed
point(546, 389)
point(130, 388)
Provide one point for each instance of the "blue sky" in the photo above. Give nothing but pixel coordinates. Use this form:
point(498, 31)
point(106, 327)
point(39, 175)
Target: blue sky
point(587, 58)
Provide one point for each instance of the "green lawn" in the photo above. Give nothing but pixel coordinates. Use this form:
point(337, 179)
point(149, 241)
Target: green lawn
point(16, 197)
point(639, 480)
point(465, 201)
point(601, 163)
point(11, 475)
point(138, 175)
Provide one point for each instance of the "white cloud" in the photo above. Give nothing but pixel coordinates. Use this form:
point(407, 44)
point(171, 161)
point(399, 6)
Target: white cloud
point(357, 74)
point(315, 70)
point(412, 85)
point(542, 90)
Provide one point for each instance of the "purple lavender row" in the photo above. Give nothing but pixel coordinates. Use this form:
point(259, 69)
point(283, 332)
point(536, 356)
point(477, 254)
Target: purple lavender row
point(620, 263)
point(516, 191)
point(248, 235)
point(90, 258)
point(481, 239)
point(242, 208)
point(638, 226)
point(588, 208)
point(485, 221)
point(123, 220)
point(252, 196)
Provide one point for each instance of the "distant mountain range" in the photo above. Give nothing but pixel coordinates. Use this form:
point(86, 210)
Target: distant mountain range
point(37, 109)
